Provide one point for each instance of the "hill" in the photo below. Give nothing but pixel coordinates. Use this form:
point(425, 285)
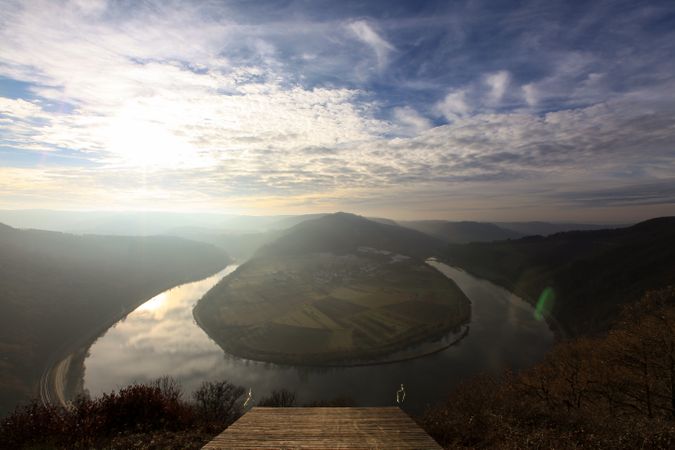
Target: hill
point(342, 233)
point(334, 290)
point(241, 245)
point(582, 277)
point(56, 288)
point(462, 232)
point(548, 228)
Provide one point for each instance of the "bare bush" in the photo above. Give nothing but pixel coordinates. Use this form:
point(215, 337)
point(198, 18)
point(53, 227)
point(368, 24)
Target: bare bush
point(279, 398)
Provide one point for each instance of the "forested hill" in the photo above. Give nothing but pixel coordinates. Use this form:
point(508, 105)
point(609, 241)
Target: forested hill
point(342, 233)
point(56, 288)
point(591, 274)
point(462, 232)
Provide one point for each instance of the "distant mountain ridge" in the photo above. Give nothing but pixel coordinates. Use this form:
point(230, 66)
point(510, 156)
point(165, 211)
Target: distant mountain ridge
point(583, 276)
point(462, 232)
point(548, 228)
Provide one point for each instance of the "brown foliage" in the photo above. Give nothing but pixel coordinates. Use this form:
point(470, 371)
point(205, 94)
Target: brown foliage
point(138, 416)
point(617, 391)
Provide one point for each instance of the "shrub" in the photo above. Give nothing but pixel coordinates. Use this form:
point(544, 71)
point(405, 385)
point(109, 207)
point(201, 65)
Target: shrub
point(615, 391)
point(218, 402)
point(32, 421)
point(279, 398)
point(141, 408)
point(138, 416)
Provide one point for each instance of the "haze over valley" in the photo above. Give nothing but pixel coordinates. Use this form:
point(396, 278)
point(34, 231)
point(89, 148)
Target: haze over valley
point(462, 209)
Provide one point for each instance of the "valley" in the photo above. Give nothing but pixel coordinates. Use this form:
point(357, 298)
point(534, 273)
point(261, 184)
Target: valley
point(59, 292)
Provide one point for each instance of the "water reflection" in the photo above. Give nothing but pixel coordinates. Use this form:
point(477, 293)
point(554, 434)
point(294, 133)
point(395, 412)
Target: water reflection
point(161, 338)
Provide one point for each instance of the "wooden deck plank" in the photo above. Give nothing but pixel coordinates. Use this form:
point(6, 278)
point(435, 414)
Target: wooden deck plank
point(323, 428)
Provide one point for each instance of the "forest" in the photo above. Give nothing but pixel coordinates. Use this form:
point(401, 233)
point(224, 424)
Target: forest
point(577, 279)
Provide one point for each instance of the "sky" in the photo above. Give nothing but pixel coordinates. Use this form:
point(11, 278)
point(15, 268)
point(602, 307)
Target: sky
point(476, 110)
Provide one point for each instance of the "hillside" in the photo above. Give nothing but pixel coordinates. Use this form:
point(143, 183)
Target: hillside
point(342, 233)
point(462, 232)
point(240, 246)
point(334, 290)
point(110, 223)
point(56, 288)
point(590, 273)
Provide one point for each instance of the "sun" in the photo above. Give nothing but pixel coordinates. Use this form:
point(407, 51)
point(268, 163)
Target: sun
point(138, 143)
point(148, 140)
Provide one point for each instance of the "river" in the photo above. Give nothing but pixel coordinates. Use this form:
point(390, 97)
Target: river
point(161, 338)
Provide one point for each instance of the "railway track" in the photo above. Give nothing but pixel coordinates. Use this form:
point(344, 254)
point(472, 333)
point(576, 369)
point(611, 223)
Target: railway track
point(52, 383)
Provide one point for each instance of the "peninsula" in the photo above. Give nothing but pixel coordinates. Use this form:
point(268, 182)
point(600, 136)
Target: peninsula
point(334, 290)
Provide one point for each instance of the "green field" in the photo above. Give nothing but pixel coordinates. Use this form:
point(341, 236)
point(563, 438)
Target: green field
point(323, 308)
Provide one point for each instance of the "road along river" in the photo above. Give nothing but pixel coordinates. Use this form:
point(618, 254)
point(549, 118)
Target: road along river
point(161, 338)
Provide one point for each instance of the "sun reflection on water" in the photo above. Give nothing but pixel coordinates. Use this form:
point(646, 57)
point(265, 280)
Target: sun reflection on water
point(156, 307)
point(161, 338)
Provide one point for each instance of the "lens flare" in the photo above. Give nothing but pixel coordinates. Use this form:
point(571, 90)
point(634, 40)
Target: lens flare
point(545, 303)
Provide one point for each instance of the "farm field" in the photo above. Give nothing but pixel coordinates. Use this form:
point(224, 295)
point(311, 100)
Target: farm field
point(322, 308)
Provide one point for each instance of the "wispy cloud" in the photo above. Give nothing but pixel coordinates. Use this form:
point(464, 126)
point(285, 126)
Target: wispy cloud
point(455, 105)
point(410, 121)
point(167, 104)
point(365, 33)
point(182, 104)
point(497, 82)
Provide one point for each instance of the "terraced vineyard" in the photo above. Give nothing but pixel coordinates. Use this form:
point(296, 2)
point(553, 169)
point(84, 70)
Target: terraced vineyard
point(322, 308)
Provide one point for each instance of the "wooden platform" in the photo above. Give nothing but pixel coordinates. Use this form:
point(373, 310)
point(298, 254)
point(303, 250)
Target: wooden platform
point(322, 428)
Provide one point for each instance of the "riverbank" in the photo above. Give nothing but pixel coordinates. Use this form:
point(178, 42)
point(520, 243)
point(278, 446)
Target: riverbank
point(323, 309)
point(65, 369)
point(559, 331)
point(163, 338)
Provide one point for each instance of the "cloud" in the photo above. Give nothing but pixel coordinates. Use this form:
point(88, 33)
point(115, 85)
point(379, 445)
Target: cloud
point(661, 192)
point(410, 121)
point(177, 103)
point(530, 93)
point(20, 109)
point(493, 158)
point(497, 83)
point(365, 33)
point(454, 105)
point(181, 104)
point(473, 98)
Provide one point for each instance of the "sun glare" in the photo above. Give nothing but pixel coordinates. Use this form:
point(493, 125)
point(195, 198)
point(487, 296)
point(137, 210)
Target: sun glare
point(149, 144)
point(154, 303)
